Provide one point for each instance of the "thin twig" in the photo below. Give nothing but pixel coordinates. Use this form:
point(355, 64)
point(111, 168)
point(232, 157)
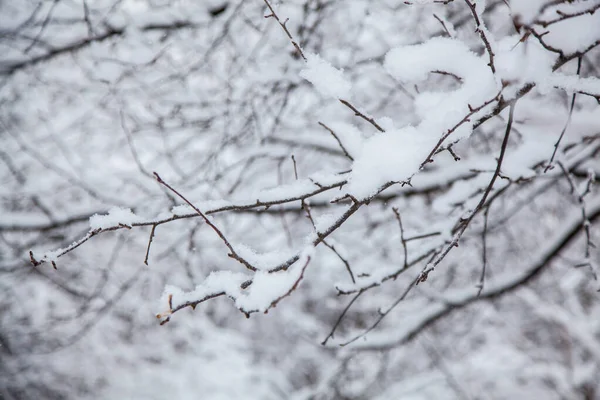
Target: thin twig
point(443, 25)
point(341, 317)
point(233, 254)
point(294, 286)
point(481, 30)
point(384, 314)
point(361, 115)
point(564, 129)
point(295, 168)
point(338, 140)
point(285, 29)
point(37, 37)
point(402, 236)
point(308, 212)
point(149, 243)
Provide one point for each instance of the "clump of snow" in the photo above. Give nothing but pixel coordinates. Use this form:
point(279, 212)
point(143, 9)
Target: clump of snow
point(269, 287)
point(533, 64)
point(397, 154)
point(328, 81)
point(216, 282)
point(204, 206)
point(390, 156)
point(265, 289)
point(115, 217)
point(516, 62)
point(412, 64)
point(262, 261)
point(324, 221)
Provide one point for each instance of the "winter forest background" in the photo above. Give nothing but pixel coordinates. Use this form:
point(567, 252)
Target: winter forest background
point(400, 195)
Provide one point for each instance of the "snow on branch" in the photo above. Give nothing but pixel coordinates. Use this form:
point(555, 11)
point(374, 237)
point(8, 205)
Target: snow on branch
point(124, 219)
point(458, 299)
point(258, 293)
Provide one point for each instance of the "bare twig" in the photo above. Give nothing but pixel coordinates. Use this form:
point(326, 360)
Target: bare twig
point(308, 212)
point(233, 254)
point(402, 236)
point(285, 29)
point(295, 169)
point(338, 141)
point(443, 25)
point(361, 115)
point(564, 129)
point(384, 314)
point(472, 111)
point(86, 18)
point(481, 30)
point(47, 19)
point(294, 287)
point(149, 243)
point(341, 317)
point(242, 207)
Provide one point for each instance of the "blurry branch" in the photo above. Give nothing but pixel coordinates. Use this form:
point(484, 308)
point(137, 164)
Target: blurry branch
point(410, 3)
point(68, 176)
point(484, 258)
point(43, 28)
point(86, 18)
point(573, 166)
point(8, 68)
point(438, 360)
point(22, 179)
point(304, 145)
point(555, 313)
point(579, 194)
point(131, 145)
point(44, 227)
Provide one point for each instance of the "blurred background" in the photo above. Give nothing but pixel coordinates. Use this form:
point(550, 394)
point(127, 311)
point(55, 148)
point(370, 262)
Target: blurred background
point(95, 95)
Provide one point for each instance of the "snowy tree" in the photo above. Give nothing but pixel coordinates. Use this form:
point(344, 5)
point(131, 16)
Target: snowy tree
point(316, 199)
